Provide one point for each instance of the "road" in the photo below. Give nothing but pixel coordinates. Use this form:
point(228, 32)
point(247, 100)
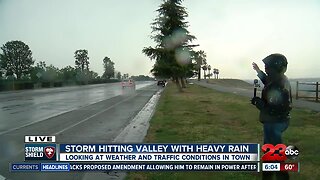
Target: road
point(85, 114)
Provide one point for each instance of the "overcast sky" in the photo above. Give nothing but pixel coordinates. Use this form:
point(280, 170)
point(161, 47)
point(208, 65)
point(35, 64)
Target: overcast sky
point(233, 33)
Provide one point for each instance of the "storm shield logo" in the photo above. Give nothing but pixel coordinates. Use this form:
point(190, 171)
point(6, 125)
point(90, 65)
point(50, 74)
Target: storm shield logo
point(49, 151)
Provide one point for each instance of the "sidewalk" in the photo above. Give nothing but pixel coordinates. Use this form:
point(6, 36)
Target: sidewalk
point(249, 93)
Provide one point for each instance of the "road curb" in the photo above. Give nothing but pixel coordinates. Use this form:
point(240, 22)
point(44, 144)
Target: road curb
point(137, 129)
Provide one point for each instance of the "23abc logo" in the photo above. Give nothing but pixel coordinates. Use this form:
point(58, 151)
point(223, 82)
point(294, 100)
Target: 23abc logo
point(280, 152)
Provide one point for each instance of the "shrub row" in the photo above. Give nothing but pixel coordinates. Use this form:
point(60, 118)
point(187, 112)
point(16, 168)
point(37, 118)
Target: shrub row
point(7, 85)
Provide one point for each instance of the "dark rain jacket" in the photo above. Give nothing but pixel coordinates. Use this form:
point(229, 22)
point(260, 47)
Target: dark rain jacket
point(277, 98)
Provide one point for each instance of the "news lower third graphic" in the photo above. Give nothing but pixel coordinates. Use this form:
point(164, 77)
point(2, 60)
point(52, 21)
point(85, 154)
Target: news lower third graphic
point(159, 152)
point(43, 154)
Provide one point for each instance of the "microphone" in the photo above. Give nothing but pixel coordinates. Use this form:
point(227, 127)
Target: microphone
point(255, 85)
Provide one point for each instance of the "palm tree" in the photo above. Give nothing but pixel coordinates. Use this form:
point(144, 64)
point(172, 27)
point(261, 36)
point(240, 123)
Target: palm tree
point(204, 70)
point(217, 73)
point(209, 69)
point(200, 57)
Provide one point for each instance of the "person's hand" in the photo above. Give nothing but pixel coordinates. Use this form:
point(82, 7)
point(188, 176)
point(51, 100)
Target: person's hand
point(258, 102)
point(255, 67)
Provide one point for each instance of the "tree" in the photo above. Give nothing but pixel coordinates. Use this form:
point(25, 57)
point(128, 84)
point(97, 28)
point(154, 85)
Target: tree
point(1, 73)
point(93, 75)
point(68, 74)
point(82, 66)
point(205, 67)
point(38, 71)
point(142, 78)
point(216, 73)
point(82, 59)
point(200, 58)
point(16, 58)
point(209, 69)
point(125, 76)
point(172, 52)
point(118, 75)
point(51, 74)
point(108, 68)
point(42, 65)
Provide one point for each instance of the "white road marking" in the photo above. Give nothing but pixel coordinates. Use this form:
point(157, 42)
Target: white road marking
point(34, 122)
point(46, 118)
point(2, 178)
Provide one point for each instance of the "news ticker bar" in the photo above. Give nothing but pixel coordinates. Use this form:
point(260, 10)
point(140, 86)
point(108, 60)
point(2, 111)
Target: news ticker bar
point(83, 167)
point(294, 167)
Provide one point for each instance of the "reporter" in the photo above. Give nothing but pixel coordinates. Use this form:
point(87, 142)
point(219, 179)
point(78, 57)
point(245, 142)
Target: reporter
point(275, 103)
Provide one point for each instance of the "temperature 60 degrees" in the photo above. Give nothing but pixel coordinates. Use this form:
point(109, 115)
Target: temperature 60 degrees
point(294, 167)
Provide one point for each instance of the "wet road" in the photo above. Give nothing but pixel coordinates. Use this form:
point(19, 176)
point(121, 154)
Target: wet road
point(22, 108)
point(86, 114)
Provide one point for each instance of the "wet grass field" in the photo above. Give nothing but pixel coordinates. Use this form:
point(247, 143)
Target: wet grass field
point(201, 115)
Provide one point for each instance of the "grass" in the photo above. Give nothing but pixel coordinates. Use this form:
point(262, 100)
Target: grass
point(231, 83)
point(201, 115)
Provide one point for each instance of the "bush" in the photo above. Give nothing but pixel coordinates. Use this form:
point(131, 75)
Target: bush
point(100, 81)
point(6, 85)
point(45, 84)
point(57, 84)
